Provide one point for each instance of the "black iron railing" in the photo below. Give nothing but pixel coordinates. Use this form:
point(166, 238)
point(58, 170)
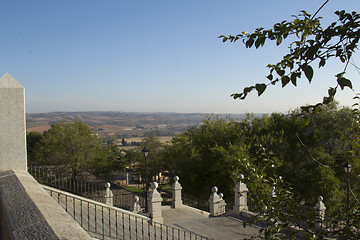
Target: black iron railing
point(45, 175)
point(103, 221)
point(122, 197)
point(195, 202)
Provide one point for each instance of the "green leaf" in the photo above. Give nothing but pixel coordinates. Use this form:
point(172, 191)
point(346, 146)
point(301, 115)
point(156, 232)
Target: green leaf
point(243, 95)
point(344, 82)
point(249, 43)
point(285, 80)
point(224, 39)
point(317, 108)
point(270, 77)
point(309, 72)
point(322, 62)
point(332, 92)
point(260, 88)
point(311, 52)
point(327, 100)
point(293, 78)
point(280, 72)
point(257, 43)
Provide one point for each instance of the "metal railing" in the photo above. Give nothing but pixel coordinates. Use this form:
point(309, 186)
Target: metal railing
point(122, 197)
point(125, 199)
point(106, 222)
point(45, 175)
point(195, 202)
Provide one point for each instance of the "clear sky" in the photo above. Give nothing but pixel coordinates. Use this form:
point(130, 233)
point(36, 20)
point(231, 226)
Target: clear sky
point(153, 55)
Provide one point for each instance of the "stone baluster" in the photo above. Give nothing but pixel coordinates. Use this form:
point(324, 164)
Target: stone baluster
point(241, 192)
point(176, 193)
point(215, 201)
point(155, 204)
point(109, 197)
point(320, 207)
point(136, 208)
point(222, 204)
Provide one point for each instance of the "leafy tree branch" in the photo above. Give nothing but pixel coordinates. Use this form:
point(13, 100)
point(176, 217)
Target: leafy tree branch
point(312, 44)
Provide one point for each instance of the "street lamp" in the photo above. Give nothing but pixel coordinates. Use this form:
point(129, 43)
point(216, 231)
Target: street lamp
point(145, 153)
point(347, 168)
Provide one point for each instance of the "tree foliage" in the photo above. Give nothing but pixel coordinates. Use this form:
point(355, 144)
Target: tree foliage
point(154, 162)
point(306, 152)
point(74, 147)
point(302, 160)
point(207, 156)
point(312, 45)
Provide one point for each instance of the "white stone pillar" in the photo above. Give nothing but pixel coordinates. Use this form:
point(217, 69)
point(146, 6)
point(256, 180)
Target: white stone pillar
point(320, 207)
point(176, 193)
point(222, 204)
point(214, 201)
point(12, 124)
point(155, 204)
point(136, 208)
point(109, 197)
point(273, 192)
point(241, 192)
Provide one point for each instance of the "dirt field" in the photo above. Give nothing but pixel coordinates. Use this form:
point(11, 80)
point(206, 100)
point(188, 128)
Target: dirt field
point(40, 129)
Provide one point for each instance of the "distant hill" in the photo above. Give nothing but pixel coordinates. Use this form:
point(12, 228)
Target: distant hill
point(121, 124)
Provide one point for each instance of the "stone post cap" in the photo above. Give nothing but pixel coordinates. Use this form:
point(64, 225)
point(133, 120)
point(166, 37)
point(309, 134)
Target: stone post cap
point(221, 195)
point(136, 198)
point(214, 197)
point(176, 185)
point(155, 196)
point(320, 205)
point(7, 81)
point(241, 176)
point(154, 185)
point(107, 185)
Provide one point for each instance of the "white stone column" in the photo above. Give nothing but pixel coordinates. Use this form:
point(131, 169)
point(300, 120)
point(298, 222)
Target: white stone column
point(109, 197)
point(176, 193)
point(136, 208)
point(12, 124)
point(155, 204)
point(214, 201)
point(241, 192)
point(222, 204)
point(320, 207)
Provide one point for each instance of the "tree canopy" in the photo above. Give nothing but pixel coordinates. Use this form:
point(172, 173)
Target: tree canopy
point(303, 160)
point(155, 160)
point(72, 146)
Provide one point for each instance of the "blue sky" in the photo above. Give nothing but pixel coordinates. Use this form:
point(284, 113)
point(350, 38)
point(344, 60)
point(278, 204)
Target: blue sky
point(153, 56)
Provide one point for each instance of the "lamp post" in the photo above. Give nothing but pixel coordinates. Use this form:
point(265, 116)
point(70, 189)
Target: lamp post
point(347, 168)
point(145, 153)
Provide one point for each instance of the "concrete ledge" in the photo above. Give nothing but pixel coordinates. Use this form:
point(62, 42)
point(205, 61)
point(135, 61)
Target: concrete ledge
point(188, 208)
point(247, 214)
point(207, 214)
point(28, 212)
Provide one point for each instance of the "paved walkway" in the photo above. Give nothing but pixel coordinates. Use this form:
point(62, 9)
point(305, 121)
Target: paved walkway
point(224, 227)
